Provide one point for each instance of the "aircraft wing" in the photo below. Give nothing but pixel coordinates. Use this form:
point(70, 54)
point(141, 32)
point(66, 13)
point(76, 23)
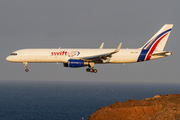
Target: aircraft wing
point(100, 57)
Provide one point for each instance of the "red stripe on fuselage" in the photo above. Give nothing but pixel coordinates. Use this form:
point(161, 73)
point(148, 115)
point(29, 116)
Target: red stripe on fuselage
point(154, 47)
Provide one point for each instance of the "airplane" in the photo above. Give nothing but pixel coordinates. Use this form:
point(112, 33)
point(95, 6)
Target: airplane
point(75, 58)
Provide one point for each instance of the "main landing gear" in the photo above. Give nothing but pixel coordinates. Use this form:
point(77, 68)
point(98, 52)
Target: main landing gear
point(25, 63)
point(91, 68)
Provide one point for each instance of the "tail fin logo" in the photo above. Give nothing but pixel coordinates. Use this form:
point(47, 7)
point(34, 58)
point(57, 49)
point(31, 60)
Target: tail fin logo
point(151, 42)
point(73, 53)
point(150, 46)
point(154, 47)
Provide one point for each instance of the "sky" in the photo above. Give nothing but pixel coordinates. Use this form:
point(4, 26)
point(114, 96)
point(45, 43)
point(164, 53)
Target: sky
point(86, 24)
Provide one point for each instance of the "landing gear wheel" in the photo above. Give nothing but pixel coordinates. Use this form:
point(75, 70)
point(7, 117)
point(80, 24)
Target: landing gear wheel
point(87, 70)
point(95, 70)
point(25, 63)
point(91, 70)
point(27, 70)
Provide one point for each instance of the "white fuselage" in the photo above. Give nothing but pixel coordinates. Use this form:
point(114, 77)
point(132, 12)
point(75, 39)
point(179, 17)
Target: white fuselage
point(63, 55)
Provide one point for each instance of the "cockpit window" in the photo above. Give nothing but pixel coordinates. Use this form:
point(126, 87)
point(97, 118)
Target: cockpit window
point(13, 53)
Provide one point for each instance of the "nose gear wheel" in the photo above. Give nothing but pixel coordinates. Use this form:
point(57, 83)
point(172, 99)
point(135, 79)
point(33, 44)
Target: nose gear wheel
point(27, 70)
point(26, 66)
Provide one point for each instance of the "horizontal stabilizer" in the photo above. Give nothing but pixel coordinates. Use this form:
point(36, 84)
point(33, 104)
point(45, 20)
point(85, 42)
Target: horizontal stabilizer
point(167, 53)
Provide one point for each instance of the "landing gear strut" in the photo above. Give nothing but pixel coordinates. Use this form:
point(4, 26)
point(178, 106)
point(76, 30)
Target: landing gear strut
point(91, 68)
point(25, 63)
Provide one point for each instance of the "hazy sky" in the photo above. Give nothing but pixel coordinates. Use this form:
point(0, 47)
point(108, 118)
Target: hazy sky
point(86, 24)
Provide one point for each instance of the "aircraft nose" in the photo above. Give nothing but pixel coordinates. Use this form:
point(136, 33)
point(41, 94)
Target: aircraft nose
point(8, 58)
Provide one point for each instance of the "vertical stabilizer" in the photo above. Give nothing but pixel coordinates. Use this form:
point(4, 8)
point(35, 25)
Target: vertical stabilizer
point(160, 38)
point(156, 43)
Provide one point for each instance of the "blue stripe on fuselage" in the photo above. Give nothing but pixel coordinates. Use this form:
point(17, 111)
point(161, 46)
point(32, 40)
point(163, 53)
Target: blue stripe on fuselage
point(142, 55)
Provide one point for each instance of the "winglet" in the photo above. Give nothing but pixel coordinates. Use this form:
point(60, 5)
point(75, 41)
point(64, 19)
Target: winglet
point(117, 49)
point(102, 45)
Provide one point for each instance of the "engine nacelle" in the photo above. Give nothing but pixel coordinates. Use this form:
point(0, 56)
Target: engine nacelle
point(74, 63)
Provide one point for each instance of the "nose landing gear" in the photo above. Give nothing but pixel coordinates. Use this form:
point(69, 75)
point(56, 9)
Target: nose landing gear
point(25, 63)
point(27, 70)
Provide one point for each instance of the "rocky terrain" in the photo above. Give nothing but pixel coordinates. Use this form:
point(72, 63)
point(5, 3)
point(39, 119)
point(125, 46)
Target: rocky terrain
point(160, 107)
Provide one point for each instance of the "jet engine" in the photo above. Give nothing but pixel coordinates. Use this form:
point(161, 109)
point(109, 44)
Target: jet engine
point(74, 63)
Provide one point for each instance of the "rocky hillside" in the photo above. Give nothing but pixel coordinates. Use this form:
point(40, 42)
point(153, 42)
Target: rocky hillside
point(160, 107)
